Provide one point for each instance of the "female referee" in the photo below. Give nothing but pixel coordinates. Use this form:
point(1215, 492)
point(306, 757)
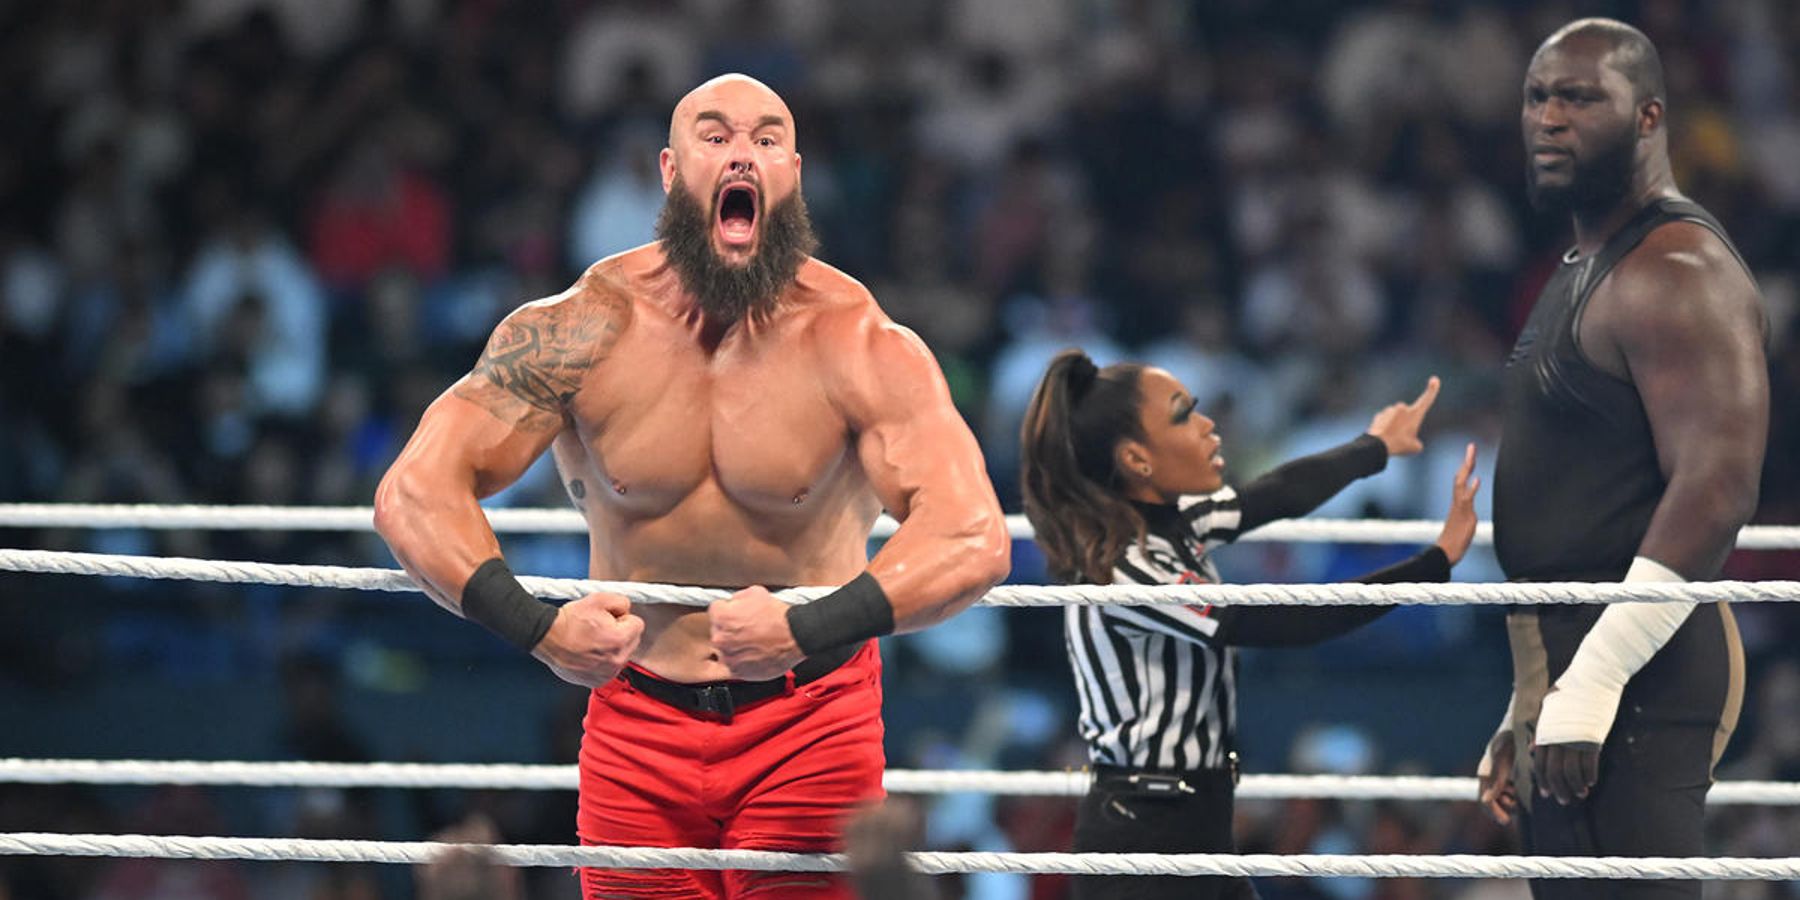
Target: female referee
point(1124, 484)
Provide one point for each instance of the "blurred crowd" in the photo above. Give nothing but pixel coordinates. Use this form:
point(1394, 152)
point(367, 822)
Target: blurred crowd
point(244, 243)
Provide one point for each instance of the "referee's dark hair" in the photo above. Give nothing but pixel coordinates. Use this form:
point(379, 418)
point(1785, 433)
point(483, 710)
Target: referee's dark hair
point(1070, 479)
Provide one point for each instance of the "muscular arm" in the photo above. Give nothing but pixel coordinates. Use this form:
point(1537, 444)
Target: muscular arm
point(1688, 326)
point(1682, 320)
point(927, 469)
point(480, 436)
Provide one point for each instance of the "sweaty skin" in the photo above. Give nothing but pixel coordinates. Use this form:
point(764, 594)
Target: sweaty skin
point(705, 452)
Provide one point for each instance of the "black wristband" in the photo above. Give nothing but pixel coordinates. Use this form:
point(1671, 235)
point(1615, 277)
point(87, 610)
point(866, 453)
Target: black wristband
point(494, 599)
point(855, 612)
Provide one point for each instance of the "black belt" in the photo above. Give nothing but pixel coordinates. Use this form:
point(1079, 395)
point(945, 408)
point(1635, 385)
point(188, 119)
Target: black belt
point(1165, 782)
point(720, 699)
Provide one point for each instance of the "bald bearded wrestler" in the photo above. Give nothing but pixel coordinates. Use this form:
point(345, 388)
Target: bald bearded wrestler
point(725, 410)
point(1636, 414)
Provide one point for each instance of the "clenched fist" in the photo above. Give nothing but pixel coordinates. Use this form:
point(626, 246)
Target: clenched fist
point(591, 640)
point(750, 632)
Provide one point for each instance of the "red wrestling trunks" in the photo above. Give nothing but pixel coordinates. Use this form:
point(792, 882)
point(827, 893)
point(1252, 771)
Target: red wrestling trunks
point(781, 773)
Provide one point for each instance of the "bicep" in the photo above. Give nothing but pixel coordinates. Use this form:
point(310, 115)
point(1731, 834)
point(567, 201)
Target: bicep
point(464, 442)
point(926, 450)
point(536, 360)
point(501, 416)
point(1696, 358)
point(909, 435)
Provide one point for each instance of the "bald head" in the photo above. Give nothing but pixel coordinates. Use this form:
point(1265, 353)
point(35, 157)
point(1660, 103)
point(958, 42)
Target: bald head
point(1592, 117)
point(1618, 46)
point(729, 97)
point(734, 226)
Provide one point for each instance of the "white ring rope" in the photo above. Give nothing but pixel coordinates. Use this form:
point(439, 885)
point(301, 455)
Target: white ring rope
point(931, 863)
point(516, 776)
point(568, 521)
point(371, 579)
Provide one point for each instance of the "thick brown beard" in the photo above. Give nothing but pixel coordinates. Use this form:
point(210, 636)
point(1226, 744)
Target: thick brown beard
point(729, 293)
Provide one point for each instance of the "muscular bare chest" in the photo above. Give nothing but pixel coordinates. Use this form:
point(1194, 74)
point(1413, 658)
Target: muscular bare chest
point(664, 425)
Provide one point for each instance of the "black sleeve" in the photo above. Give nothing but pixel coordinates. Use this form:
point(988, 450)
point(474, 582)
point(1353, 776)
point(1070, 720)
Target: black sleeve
point(1427, 565)
point(1295, 626)
point(1297, 487)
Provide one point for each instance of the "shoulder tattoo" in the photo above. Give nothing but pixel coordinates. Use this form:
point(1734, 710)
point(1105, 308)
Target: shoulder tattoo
point(536, 359)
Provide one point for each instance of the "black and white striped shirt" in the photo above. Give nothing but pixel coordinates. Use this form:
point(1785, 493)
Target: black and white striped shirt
point(1157, 689)
point(1158, 684)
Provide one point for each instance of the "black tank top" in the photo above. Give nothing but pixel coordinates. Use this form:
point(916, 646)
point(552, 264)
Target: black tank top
point(1577, 479)
point(1575, 485)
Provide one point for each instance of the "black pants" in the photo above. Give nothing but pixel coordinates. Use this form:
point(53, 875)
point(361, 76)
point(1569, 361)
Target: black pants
point(1656, 766)
point(1116, 817)
point(1650, 800)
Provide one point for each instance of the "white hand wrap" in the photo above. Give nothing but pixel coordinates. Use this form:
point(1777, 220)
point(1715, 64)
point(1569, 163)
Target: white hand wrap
point(1486, 767)
point(1586, 697)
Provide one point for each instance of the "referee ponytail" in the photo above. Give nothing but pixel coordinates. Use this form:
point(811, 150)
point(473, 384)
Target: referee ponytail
point(1076, 419)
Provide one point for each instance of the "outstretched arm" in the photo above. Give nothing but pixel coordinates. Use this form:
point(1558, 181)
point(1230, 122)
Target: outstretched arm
point(1293, 626)
point(479, 437)
point(1685, 323)
point(1298, 487)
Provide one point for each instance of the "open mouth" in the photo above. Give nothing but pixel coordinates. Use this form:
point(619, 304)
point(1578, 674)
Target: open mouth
point(737, 214)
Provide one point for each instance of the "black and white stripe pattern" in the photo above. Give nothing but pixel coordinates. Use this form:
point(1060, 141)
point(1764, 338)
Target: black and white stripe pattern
point(1156, 690)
